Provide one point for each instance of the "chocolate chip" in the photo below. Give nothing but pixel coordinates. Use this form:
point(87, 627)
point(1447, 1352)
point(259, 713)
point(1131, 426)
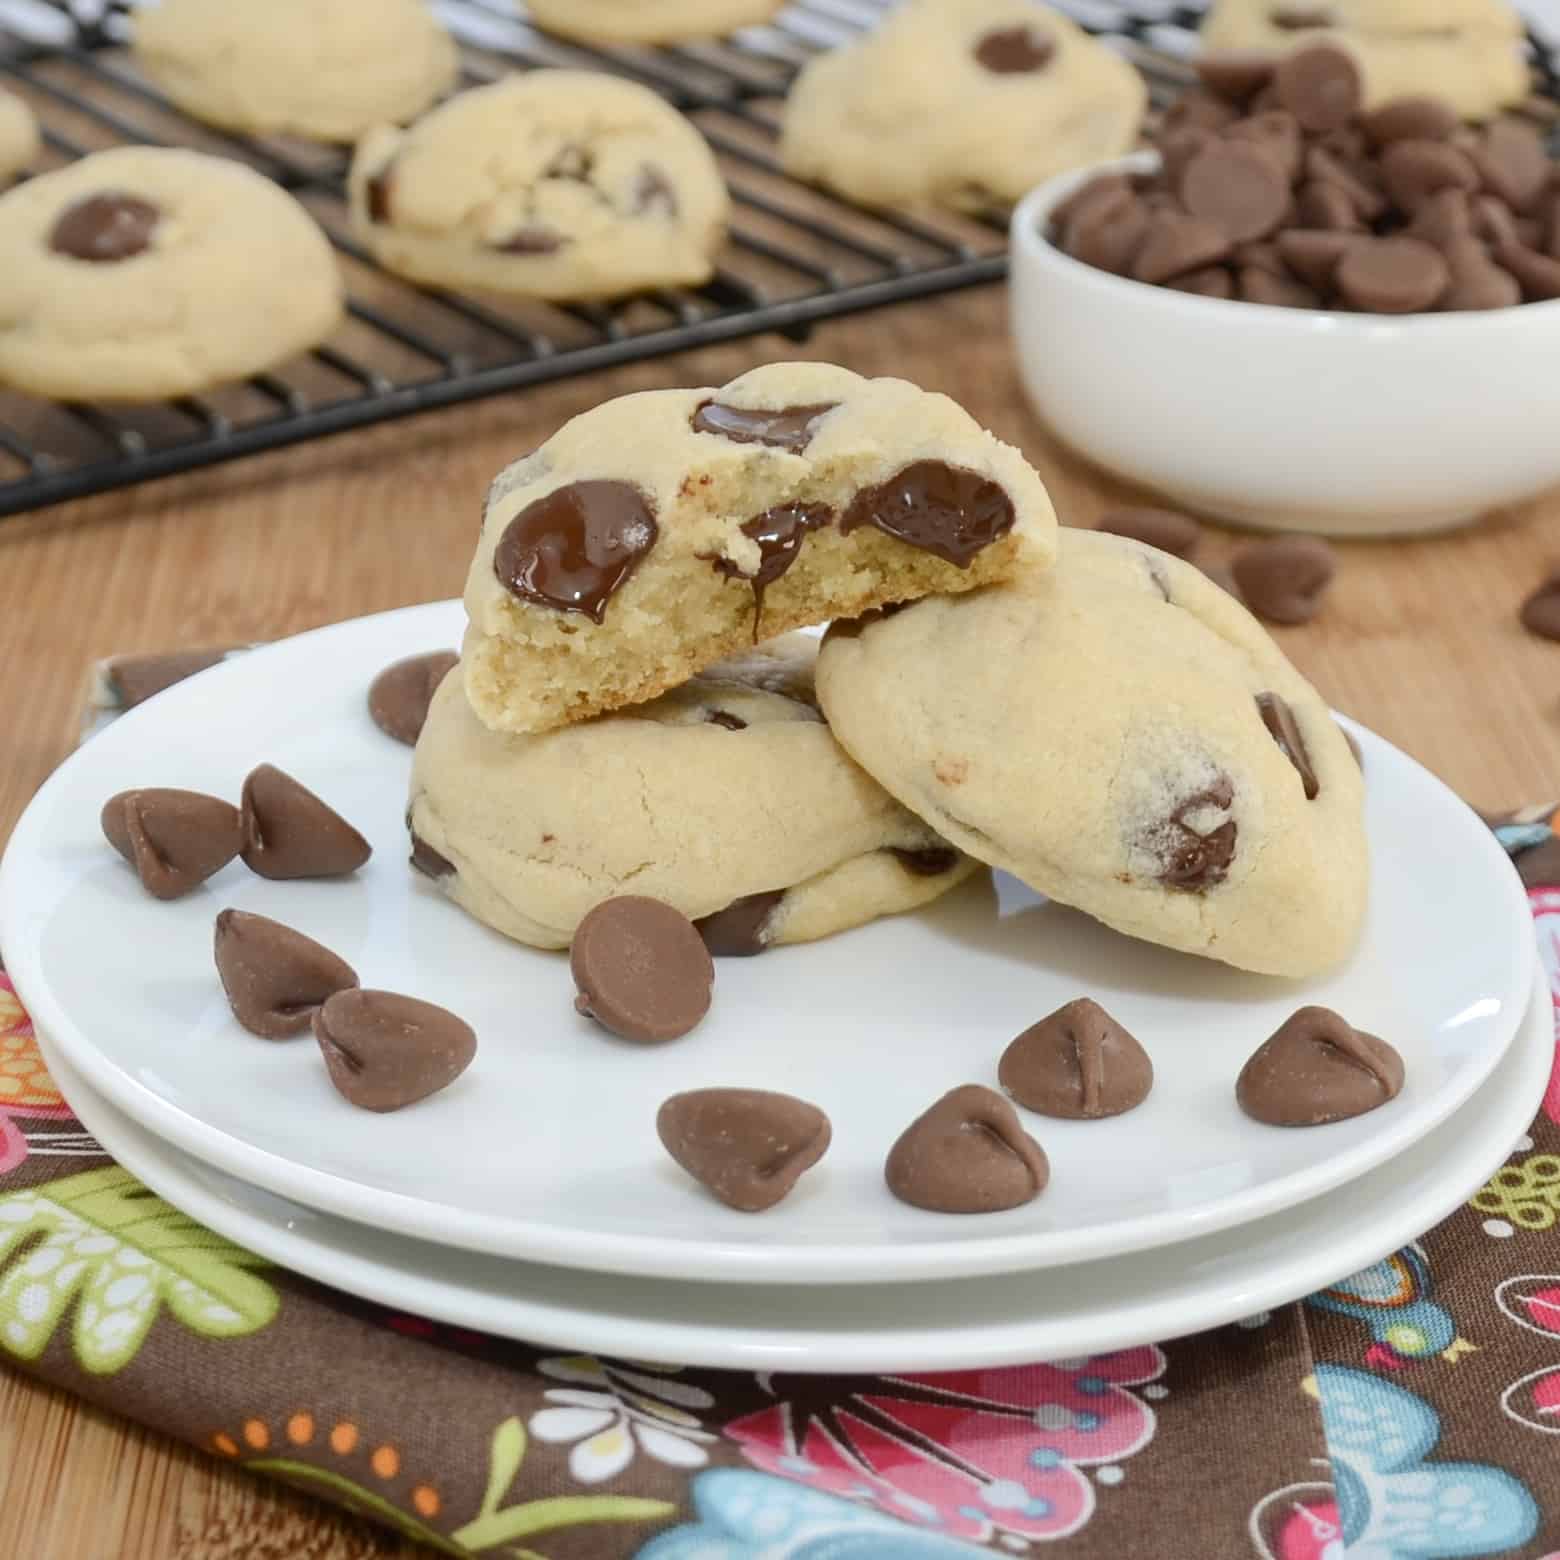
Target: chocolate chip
point(1512, 162)
point(1538, 274)
point(1261, 256)
point(726, 720)
point(1193, 856)
point(1201, 110)
point(1411, 119)
point(290, 833)
point(1413, 171)
point(789, 428)
point(748, 1146)
point(967, 1154)
point(275, 978)
point(533, 239)
point(1477, 282)
point(1177, 150)
point(135, 678)
point(175, 840)
point(641, 969)
point(1494, 222)
point(1301, 18)
point(779, 533)
point(1316, 1068)
point(1175, 244)
point(577, 547)
point(1015, 51)
point(1103, 186)
point(1212, 281)
point(654, 195)
point(743, 928)
point(930, 861)
point(1238, 188)
point(431, 863)
point(1278, 292)
point(1321, 86)
point(1079, 1064)
point(1236, 75)
point(385, 1051)
point(1313, 255)
point(398, 698)
point(105, 228)
point(1322, 165)
point(1167, 529)
point(1277, 133)
point(1445, 219)
point(1280, 721)
point(1393, 276)
point(377, 194)
point(1108, 235)
point(1284, 579)
point(941, 509)
point(1541, 610)
point(1324, 207)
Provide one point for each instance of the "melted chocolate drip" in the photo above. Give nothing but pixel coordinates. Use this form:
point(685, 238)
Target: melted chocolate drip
point(944, 510)
point(738, 931)
point(1015, 51)
point(779, 533)
point(1285, 731)
point(930, 861)
point(1196, 862)
point(105, 228)
point(790, 428)
point(577, 547)
point(377, 193)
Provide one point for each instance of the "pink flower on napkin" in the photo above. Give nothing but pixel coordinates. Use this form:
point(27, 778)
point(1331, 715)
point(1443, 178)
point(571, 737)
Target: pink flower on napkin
point(26, 1089)
point(968, 1453)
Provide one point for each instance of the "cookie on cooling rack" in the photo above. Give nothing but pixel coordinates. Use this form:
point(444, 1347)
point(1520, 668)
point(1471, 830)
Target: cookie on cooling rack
point(147, 272)
point(727, 799)
point(1123, 736)
point(1468, 53)
point(552, 184)
point(327, 70)
point(664, 531)
point(634, 21)
point(962, 103)
point(18, 137)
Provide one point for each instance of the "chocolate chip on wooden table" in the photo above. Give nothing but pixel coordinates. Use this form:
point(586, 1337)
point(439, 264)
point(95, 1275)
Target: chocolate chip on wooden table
point(1541, 610)
point(1167, 529)
point(576, 548)
point(1284, 579)
point(1077, 1063)
point(106, 228)
point(642, 969)
point(136, 678)
point(174, 839)
point(748, 1146)
point(967, 1154)
point(743, 928)
point(275, 978)
point(290, 833)
point(399, 696)
point(1316, 1068)
point(385, 1051)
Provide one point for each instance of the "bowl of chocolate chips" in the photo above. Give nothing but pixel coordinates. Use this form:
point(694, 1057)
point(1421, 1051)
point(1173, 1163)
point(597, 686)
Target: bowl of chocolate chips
point(1299, 313)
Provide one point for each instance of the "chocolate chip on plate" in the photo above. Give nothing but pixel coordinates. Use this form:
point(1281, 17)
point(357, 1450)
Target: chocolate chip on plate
point(106, 228)
point(385, 1051)
point(1077, 1063)
point(1317, 1068)
point(1541, 610)
point(275, 978)
point(748, 1146)
point(398, 698)
point(174, 839)
point(290, 833)
point(1393, 276)
point(1167, 529)
point(642, 969)
point(967, 1154)
point(136, 678)
point(1283, 580)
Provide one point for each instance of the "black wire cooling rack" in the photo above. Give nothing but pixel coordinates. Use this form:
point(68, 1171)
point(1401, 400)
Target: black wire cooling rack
point(796, 255)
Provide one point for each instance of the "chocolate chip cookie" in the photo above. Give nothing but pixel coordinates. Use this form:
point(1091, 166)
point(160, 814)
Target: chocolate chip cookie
point(727, 799)
point(328, 72)
point(1468, 52)
point(967, 105)
point(146, 272)
point(1123, 736)
point(633, 21)
point(18, 137)
point(661, 532)
point(553, 184)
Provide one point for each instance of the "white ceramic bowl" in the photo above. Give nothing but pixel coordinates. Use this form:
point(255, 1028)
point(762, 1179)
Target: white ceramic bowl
point(1285, 419)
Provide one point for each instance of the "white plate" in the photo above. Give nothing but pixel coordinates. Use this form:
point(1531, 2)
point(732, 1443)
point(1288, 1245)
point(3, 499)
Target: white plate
point(1012, 1319)
point(546, 1148)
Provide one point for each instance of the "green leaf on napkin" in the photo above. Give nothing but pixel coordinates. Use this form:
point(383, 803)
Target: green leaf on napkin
point(125, 1253)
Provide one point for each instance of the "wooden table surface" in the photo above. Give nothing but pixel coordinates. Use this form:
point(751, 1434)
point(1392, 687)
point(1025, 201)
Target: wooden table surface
point(1420, 640)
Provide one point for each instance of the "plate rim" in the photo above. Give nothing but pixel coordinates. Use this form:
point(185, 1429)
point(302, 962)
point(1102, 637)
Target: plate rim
point(708, 1260)
point(1511, 1107)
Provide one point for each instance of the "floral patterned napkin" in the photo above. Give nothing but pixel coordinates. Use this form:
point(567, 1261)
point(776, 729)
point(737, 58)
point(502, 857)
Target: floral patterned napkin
point(1411, 1412)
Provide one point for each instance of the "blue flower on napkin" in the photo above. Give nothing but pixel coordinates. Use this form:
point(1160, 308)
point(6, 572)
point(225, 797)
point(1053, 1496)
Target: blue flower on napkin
point(755, 1516)
point(1393, 1504)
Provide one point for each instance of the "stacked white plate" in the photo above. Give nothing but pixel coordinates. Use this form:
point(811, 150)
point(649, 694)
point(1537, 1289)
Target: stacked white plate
point(532, 1199)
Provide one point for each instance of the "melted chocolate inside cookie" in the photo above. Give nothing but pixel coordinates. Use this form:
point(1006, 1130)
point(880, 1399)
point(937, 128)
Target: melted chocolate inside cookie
point(1285, 731)
point(377, 193)
point(941, 509)
point(726, 720)
point(779, 533)
point(789, 428)
point(1015, 51)
point(428, 861)
point(1193, 861)
point(105, 228)
point(741, 929)
point(930, 861)
point(577, 547)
